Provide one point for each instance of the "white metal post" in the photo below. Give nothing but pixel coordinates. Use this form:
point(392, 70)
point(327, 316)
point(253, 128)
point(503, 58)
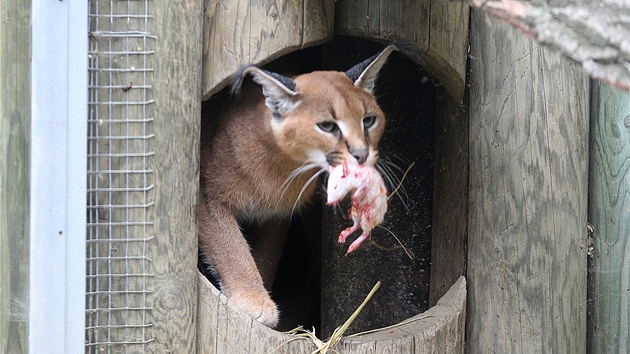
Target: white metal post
point(58, 176)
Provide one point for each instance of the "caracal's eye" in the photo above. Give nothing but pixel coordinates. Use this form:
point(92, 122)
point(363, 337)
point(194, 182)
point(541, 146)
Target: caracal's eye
point(369, 121)
point(328, 127)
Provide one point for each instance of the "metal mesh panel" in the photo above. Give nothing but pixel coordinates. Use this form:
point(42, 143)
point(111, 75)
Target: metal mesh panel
point(120, 178)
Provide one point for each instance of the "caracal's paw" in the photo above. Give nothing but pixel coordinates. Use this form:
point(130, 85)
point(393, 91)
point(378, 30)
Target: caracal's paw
point(258, 305)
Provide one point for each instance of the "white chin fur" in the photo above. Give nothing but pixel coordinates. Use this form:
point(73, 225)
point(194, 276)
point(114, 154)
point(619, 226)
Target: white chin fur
point(319, 158)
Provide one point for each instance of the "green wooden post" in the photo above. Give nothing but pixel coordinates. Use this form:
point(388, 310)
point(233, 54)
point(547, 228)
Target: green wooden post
point(177, 111)
point(609, 213)
point(15, 128)
point(528, 195)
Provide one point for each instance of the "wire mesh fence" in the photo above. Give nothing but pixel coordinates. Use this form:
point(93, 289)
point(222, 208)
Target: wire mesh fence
point(120, 177)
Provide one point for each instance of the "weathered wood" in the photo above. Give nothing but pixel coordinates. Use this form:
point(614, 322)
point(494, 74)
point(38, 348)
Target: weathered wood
point(450, 196)
point(528, 195)
point(177, 94)
point(609, 323)
point(224, 329)
point(144, 149)
point(439, 330)
point(15, 117)
point(250, 32)
point(448, 45)
point(593, 33)
point(438, 28)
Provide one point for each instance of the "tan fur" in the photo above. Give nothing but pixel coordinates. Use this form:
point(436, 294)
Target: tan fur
point(247, 159)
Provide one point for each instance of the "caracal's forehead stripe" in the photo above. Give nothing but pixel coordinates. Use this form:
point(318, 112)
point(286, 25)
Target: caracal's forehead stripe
point(333, 115)
point(343, 127)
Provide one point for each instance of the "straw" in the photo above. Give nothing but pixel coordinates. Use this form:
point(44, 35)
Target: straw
point(324, 347)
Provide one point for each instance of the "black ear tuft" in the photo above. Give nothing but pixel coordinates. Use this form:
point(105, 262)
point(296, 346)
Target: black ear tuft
point(279, 91)
point(237, 81)
point(364, 74)
point(287, 82)
point(355, 72)
point(239, 76)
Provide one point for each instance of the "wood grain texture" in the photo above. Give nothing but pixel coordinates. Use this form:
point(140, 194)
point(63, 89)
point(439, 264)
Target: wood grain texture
point(450, 197)
point(147, 91)
point(255, 32)
point(438, 28)
point(15, 117)
point(528, 195)
point(223, 328)
point(177, 94)
point(438, 330)
point(609, 213)
point(448, 44)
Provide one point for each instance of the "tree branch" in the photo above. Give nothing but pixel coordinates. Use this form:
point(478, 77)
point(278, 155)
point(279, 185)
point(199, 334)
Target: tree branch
point(595, 33)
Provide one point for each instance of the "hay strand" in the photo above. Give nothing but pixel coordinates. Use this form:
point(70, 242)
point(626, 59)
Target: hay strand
point(407, 251)
point(324, 347)
point(402, 179)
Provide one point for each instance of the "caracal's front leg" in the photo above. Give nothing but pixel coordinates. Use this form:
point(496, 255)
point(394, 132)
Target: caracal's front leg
point(268, 247)
point(223, 244)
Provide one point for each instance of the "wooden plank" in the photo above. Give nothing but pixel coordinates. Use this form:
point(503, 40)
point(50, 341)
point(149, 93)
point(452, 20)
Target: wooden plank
point(448, 44)
point(609, 214)
point(450, 196)
point(384, 20)
point(441, 329)
point(177, 94)
point(438, 330)
point(223, 340)
point(528, 195)
point(207, 316)
point(264, 340)
point(233, 331)
point(438, 28)
point(15, 117)
point(238, 330)
point(244, 32)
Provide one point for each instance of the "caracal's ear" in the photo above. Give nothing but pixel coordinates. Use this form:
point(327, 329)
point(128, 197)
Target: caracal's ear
point(279, 92)
point(364, 74)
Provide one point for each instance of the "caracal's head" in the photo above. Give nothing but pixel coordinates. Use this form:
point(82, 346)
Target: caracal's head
point(325, 117)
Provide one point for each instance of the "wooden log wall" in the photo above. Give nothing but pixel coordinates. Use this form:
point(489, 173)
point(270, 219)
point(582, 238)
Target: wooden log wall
point(224, 329)
point(609, 214)
point(255, 32)
point(438, 28)
point(177, 93)
point(528, 195)
point(15, 117)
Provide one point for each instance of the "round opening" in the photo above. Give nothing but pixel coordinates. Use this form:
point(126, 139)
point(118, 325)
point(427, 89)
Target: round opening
point(316, 284)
